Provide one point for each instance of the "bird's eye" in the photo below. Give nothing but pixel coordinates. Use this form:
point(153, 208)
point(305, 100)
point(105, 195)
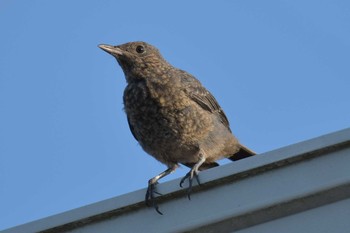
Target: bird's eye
point(140, 49)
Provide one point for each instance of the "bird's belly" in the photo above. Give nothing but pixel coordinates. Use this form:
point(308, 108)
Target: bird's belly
point(170, 134)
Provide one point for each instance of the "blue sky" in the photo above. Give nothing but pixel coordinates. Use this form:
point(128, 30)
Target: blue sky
point(280, 70)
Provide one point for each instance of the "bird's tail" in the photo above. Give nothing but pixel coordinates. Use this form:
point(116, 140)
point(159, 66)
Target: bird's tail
point(243, 153)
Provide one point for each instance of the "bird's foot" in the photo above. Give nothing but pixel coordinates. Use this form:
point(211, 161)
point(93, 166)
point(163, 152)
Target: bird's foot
point(190, 175)
point(151, 190)
point(150, 198)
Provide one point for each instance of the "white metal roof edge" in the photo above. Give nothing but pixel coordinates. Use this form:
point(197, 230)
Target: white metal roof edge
point(237, 170)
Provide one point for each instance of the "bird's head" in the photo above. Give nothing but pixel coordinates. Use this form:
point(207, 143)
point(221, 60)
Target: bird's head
point(137, 59)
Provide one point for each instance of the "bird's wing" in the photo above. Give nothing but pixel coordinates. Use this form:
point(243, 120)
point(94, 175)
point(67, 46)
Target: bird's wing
point(202, 97)
point(207, 101)
point(132, 129)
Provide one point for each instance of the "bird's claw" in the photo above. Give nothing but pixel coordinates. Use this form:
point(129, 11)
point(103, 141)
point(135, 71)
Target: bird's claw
point(150, 199)
point(190, 176)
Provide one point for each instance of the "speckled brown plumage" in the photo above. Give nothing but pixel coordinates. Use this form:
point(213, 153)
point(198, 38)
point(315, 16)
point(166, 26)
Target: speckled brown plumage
point(173, 117)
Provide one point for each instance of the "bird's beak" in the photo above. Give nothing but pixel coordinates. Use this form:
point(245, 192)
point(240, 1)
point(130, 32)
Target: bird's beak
point(111, 49)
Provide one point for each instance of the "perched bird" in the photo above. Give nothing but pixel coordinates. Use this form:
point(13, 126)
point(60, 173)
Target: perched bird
point(172, 116)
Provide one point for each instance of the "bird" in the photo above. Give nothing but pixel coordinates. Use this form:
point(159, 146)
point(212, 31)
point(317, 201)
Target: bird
point(172, 115)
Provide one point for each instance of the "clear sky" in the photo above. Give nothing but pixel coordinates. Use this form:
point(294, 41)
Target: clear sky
point(280, 70)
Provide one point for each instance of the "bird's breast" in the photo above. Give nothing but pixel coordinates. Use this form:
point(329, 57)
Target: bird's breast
point(164, 115)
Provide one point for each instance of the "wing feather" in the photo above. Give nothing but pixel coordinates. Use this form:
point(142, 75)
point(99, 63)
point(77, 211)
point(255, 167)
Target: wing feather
point(202, 97)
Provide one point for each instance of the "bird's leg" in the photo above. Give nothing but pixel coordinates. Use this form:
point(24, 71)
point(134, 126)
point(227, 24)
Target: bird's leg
point(151, 190)
point(192, 173)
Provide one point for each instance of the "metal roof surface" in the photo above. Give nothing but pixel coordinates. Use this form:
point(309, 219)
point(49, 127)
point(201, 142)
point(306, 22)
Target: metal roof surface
point(268, 192)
